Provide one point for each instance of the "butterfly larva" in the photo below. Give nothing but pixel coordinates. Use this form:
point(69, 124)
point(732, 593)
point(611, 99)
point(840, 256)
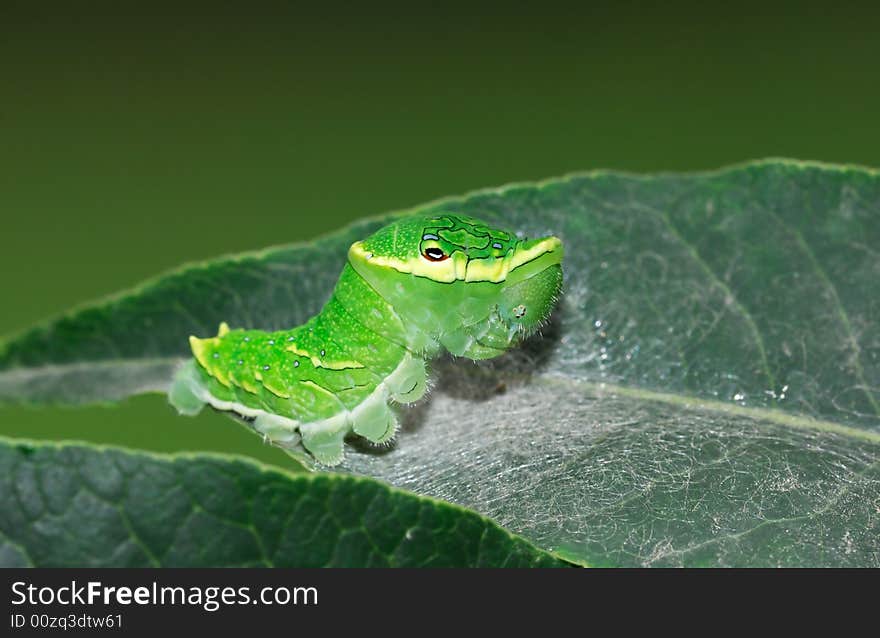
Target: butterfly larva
point(411, 288)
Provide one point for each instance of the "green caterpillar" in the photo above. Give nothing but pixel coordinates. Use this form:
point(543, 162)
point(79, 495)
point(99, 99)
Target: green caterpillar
point(411, 288)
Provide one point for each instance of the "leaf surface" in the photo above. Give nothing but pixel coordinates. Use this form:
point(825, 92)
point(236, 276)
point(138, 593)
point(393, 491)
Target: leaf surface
point(708, 392)
point(75, 505)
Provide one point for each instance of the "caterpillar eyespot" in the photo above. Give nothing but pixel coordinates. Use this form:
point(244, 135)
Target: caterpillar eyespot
point(414, 287)
point(433, 253)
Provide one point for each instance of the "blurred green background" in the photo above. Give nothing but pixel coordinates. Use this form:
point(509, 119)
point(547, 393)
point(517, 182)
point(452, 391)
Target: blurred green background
point(136, 138)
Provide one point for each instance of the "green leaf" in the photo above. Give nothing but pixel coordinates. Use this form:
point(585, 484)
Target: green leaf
point(707, 394)
point(74, 505)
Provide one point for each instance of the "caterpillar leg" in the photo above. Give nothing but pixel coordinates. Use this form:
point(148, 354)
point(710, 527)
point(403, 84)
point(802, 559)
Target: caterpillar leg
point(374, 419)
point(324, 439)
point(409, 381)
point(283, 433)
point(182, 394)
point(485, 340)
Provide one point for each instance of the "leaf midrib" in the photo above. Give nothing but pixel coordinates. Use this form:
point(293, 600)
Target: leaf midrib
point(760, 415)
point(763, 415)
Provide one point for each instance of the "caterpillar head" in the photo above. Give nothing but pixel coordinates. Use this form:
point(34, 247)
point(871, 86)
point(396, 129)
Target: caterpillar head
point(461, 281)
